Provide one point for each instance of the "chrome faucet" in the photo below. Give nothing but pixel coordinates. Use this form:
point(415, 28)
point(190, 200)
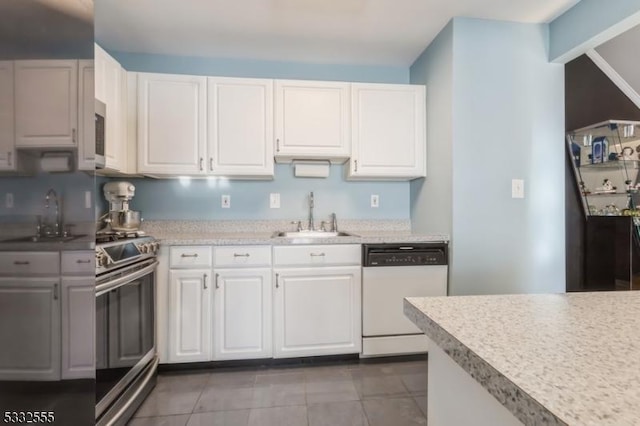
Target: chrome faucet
point(48, 229)
point(310, 226)
point(334, 223)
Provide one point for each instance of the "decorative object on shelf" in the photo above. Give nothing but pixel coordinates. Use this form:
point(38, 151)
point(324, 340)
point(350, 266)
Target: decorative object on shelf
point(627, 153)
point(599, 150)
point(611, 210)
point(606, 188)
point(584, 189)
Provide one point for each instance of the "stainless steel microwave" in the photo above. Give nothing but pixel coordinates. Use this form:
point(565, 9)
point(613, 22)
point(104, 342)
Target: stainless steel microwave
point(101, 117)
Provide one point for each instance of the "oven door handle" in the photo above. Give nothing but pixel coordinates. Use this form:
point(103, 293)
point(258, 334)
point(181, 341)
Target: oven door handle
point(120, 281)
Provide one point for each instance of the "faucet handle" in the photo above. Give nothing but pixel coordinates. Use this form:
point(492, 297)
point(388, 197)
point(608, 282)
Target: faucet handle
point(298, 223)
point(323, 226)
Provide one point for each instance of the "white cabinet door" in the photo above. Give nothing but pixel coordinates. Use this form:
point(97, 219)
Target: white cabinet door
point(30, 329)
point(86, 116)
point(317, 311)
point(312, 120)
point(109, 89)
point(171, 124)
point(242, 314)
point(46, 103)
point(189, 315)
point(388, 131)
point(78, 327)
point(7, 135)
point(240, 124)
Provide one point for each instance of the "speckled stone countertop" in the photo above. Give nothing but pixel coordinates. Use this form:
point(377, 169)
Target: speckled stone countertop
point(559, 359)
point(261, 233)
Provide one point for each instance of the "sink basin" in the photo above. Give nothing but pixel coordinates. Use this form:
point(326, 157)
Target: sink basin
point(36, 239)
point(312, 234)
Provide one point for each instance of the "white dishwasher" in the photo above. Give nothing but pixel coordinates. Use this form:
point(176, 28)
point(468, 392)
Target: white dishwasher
point(390, 273)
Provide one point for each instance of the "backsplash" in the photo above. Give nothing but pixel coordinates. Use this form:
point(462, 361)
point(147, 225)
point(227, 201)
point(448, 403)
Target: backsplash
point(29, 196)
point(199, 199)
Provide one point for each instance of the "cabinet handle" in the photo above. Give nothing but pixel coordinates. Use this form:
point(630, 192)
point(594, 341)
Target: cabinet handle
point(73, 135)
point(241, 255)
point(9, 154)
point(204, 281)
point(189, 255)
point(355, 163)
point(277, 280)
point(21, 262)
point(55, 291)
point(316, 254)
point(217, 276)
point(83, 261)
point(211, 163)
point(278, 145)
point(201, 164)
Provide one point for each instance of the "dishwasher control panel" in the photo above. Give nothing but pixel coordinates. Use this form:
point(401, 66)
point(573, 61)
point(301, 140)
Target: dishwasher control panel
point(404, 254)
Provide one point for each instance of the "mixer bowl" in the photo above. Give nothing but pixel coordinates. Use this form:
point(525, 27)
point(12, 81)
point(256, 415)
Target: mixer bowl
point(125, 220)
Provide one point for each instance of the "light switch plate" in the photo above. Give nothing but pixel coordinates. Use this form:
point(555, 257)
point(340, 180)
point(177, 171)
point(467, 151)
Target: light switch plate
point(517, 188)
point(88, 199)
point(274, 200)
point(225, 201)
point(375, 201)
point(8, 200)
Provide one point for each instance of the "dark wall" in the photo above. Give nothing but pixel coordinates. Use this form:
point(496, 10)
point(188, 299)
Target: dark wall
point(590, 97)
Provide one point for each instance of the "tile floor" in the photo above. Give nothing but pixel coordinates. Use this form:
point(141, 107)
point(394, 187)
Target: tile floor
point(347, 394)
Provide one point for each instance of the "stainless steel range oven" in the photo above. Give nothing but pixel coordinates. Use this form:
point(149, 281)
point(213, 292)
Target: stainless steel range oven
point(126, 359)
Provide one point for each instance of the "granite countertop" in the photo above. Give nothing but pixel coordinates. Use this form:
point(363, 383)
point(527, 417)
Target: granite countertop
point(266, 238)
point(553, 359)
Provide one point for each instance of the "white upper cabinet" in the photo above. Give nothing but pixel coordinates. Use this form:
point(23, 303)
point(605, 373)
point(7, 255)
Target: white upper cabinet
point(86, 116)
point(240, 127)
point(109, 88)
point(7, 135)
point(312, 120)
point(388, 132)
point(46, 103)
point(171, 124)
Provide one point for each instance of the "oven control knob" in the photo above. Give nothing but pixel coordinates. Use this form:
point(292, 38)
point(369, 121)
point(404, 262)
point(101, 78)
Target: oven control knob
point(101, 260)
point(155, 247)
point(144, 248)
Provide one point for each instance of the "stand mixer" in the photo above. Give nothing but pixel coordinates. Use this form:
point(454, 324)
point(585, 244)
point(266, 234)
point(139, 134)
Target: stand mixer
point(120, 218)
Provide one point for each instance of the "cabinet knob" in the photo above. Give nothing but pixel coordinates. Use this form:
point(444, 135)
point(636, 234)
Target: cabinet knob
point(217, 277)
point(55, 291)
point(9, 154)
point(277, 280)
point(204, 281)
point(201, 164)
point(73, 135)
point(316, 254)
point(278, 145)
point(355, 165)
point(211, 163)
point(241, 255)
point(21, 262)
point(189, 255)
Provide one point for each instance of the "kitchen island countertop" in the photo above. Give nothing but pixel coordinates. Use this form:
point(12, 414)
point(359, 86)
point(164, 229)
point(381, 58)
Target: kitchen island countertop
point(551, 359)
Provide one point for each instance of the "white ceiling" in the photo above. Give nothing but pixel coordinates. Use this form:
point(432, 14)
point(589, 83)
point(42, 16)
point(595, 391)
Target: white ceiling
point(380, 32)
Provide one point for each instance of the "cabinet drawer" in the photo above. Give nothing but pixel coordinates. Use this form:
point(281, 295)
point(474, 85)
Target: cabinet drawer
point(30, 263)
point(348, 254)
point(190, 257)
point(242, 256)
point(78, 262)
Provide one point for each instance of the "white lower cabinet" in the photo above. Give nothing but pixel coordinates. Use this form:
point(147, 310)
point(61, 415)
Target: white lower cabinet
point(317, 311)
point(189, 315)
point(242, 314)
point(78, 327)
point(30, 342)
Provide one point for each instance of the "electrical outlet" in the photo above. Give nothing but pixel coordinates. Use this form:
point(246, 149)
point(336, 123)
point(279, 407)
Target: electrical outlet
point(517, 188)
point(8, 200)
point(274, 200)
point(88, 199)
point(226, 201)
point(375, 201)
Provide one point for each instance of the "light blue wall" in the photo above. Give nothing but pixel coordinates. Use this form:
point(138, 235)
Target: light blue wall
point(29, 196)
point(228, 67)
point(169, 199)
point(431, 198)
point(199, 199)
point(588, 24)
point(507, 121)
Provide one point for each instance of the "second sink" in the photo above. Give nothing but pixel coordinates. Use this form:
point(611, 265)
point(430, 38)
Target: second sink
point(312, 234)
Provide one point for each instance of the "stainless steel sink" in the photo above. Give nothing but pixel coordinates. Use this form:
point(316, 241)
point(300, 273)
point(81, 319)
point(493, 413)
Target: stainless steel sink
point(36, 239)
point(311, 234)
